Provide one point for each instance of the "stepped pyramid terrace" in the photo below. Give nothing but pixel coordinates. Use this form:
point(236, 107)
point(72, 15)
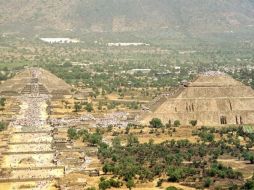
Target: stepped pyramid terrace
point(27, 80)
point(35, 154)
point(213, 98)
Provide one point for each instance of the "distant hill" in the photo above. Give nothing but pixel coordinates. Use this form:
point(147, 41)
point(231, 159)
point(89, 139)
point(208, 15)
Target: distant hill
point(180, 16)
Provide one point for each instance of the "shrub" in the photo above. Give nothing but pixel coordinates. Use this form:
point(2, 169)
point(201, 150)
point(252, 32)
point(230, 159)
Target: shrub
point(193, 122)
point(159, 183)
point(72, 133)
point(77, 107)
point(207, 182)
point(175, 174)
point(2, 126)
point(2, 101)
point(177, 123)
point(171, 188)
point(130, 183)
point(89, 107)
point(156, 123)
point(91, 188)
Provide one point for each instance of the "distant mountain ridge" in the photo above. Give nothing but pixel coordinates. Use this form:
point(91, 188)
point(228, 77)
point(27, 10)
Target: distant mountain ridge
point(184, 16)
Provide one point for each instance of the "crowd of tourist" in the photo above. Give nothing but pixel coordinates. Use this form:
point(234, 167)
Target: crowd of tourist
point(32, 115)
point(71, 121)
point(115, 119)
point(118, 119)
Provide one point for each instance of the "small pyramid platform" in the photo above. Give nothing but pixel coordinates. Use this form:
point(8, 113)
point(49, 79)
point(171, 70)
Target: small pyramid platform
point(213, 98)
point(23, 81)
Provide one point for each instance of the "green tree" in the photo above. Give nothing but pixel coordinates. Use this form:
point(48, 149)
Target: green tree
point(177, 173)
point(77, 107)
point(207, 182)
point(177, 123)
point(248, 185)
point(193, 122)
point(104, 184)
point(83, 132)
point(171, 188)
point(2, 126)
point(91, 188)
point(107, 168)
point(114, 183)
point(132, 140)
point(72, 133)
point(89, 107)
point(95, 138)
point(206, 136)
point(159, 183)
point(249, 156)
point(156, 123)
point(130, 183)
point(2, 101)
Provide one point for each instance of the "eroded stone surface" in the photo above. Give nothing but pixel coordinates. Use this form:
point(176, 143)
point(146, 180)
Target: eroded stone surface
point(211, 99)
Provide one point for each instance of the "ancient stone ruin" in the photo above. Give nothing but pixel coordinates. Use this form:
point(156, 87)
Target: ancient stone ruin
point(34, 79)
point(30, 155)
point(213, 98)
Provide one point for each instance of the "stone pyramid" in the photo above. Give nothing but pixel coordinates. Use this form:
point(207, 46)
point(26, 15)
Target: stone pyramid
point(22, 82)
point(213, 98)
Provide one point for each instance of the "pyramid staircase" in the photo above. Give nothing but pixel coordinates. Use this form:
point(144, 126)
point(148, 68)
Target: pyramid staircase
point(42, 89)
point(27, 89)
